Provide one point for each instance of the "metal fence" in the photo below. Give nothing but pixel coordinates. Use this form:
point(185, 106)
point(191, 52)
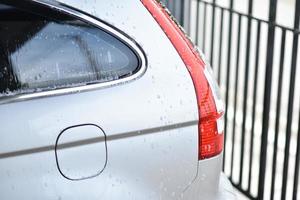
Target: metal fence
point(181, 11)
point(256, 63)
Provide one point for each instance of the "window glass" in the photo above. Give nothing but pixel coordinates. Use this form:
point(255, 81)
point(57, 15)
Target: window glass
point(41, 53)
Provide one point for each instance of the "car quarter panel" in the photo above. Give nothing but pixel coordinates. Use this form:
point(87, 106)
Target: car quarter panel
point(151, 125)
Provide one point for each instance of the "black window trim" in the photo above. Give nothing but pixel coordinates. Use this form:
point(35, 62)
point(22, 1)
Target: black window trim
point(98, 23)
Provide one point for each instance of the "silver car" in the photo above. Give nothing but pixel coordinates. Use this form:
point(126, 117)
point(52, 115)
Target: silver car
point(105, 100)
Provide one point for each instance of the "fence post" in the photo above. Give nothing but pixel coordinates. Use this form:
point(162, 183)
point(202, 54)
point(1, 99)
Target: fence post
point(291, 105)
point(186, 9)
point(267, 94)
point(246, 81)
point(212, 34)
point(228, 77)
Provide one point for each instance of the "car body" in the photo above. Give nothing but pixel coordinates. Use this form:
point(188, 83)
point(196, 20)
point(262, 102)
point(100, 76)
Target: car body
point(97, 103)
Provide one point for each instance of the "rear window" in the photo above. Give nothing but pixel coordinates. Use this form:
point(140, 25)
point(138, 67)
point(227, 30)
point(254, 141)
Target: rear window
point(40, 53)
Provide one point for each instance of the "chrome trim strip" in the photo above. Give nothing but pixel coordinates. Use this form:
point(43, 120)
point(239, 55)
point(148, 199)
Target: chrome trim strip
point(94, 140)
point(76, 89)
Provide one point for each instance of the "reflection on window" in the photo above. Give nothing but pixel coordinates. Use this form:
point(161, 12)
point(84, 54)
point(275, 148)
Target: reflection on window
point(41, 54)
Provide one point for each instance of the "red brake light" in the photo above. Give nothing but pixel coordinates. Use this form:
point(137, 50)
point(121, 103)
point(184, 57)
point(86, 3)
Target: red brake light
point(210, 133)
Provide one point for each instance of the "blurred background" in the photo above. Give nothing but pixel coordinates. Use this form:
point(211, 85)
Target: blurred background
point(253, 48)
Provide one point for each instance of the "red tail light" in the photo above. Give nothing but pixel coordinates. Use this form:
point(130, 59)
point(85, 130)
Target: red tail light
point(209, 103)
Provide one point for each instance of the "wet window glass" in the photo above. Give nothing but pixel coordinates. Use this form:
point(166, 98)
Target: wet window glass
point(40, 53)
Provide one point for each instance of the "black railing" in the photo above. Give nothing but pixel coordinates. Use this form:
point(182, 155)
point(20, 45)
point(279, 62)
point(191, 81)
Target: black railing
point(255, 63)
point(180, 10)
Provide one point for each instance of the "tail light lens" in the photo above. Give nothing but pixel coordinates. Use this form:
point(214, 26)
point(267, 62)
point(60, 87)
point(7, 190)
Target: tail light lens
point(210, 105)
point(211, 127)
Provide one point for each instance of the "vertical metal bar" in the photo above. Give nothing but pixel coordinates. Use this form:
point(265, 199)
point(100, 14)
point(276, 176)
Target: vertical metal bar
point(174, 7)
point(212, 34)
point(245, 98)
point(278, 109)
point(182, 13)
point(204, 27)
point(168, 4)
point(228, 75)
point(296, 172)
point(291, 101)
point(187, 15)
point(267, 95)
point(235, 92)
point(254, 104)
point(197, 23)
point(220, 46)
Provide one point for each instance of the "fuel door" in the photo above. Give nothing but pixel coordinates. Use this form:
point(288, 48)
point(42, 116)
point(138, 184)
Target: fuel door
point(81, 152)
